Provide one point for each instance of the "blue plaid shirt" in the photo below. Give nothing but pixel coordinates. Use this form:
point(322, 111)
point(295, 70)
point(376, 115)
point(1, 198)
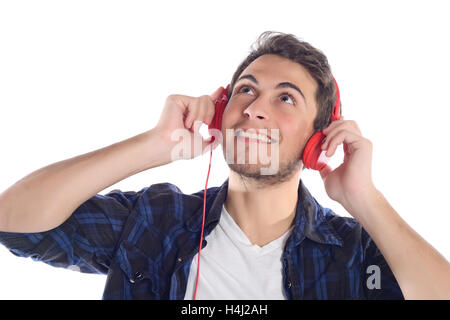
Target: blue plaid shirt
point(145, 242)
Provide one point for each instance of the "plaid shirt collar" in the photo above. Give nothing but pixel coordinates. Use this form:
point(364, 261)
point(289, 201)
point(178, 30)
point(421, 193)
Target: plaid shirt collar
point(309, 220)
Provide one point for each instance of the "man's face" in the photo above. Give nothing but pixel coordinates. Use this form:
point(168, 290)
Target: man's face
point(267, 105)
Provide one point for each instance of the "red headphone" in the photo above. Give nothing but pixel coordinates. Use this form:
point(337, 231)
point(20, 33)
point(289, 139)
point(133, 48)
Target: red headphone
point(313, 155)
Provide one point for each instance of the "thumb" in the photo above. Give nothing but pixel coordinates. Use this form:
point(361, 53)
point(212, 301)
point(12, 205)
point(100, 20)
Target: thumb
point(325, 171)
point(207, 145)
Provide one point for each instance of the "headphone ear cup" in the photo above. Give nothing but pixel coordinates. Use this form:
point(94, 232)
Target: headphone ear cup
point(313, 155)
point(220, 105)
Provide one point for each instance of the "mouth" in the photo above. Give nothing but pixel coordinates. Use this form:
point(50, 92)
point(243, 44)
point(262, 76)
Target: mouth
point(252, 135)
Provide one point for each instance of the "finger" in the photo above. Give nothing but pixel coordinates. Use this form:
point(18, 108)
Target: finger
point(343, 136)
point(325, 171)
point(187, 104)
point(205, 107)
point(202, 109)
point(208, 118)
point(207, 111)
point(341, 122)
point(335, 128)
point(332, 126)
point(196, 127)
point(216, 94)
point(207, 145)
point(191, 117)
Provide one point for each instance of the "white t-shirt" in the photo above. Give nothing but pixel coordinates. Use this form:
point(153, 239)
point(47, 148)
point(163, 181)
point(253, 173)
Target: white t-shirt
point(232, 268)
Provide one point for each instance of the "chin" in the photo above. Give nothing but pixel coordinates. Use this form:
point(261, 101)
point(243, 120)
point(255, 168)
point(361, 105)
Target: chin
point(253, 172)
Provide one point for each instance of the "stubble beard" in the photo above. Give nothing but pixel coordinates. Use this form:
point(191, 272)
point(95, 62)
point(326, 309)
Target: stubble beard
point(252, 172)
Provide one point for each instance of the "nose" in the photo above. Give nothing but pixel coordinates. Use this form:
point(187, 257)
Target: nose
point(257, 110)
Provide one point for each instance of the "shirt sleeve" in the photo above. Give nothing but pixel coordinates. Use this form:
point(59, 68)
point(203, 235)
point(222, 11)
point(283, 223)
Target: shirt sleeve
point(86, 241)
point(379, 281)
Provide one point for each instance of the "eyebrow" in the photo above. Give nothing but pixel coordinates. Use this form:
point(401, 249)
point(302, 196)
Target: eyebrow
point(280, 85)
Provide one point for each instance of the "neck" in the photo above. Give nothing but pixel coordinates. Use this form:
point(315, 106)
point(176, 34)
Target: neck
point(264, 213)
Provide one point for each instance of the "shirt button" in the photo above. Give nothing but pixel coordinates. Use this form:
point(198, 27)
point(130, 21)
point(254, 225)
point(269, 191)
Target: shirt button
point(179, 259)
point(289, 284)
point(138, 275)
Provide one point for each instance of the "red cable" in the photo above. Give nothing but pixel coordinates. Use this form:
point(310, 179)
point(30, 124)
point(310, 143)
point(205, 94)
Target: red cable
point(203, 226)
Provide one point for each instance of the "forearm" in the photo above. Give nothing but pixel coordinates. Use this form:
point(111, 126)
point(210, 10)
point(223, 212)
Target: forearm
point(420, 270)
point(45, 198)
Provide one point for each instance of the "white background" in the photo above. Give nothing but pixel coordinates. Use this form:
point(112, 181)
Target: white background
point(76, 76)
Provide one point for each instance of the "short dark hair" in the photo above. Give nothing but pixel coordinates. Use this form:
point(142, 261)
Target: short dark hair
point(301, 52)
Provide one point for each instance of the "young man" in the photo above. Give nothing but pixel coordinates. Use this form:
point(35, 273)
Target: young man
point(266, 237)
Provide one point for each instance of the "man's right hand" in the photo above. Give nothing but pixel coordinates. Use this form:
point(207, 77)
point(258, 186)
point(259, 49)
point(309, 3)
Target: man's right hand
point(45, 198)
point(180, 117)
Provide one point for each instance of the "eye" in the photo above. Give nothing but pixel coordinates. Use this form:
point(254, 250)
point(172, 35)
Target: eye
point(243, 87)
point(284, 94)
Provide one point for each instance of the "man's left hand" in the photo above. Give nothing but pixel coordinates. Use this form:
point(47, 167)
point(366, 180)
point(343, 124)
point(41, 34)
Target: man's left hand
point(352, 180)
